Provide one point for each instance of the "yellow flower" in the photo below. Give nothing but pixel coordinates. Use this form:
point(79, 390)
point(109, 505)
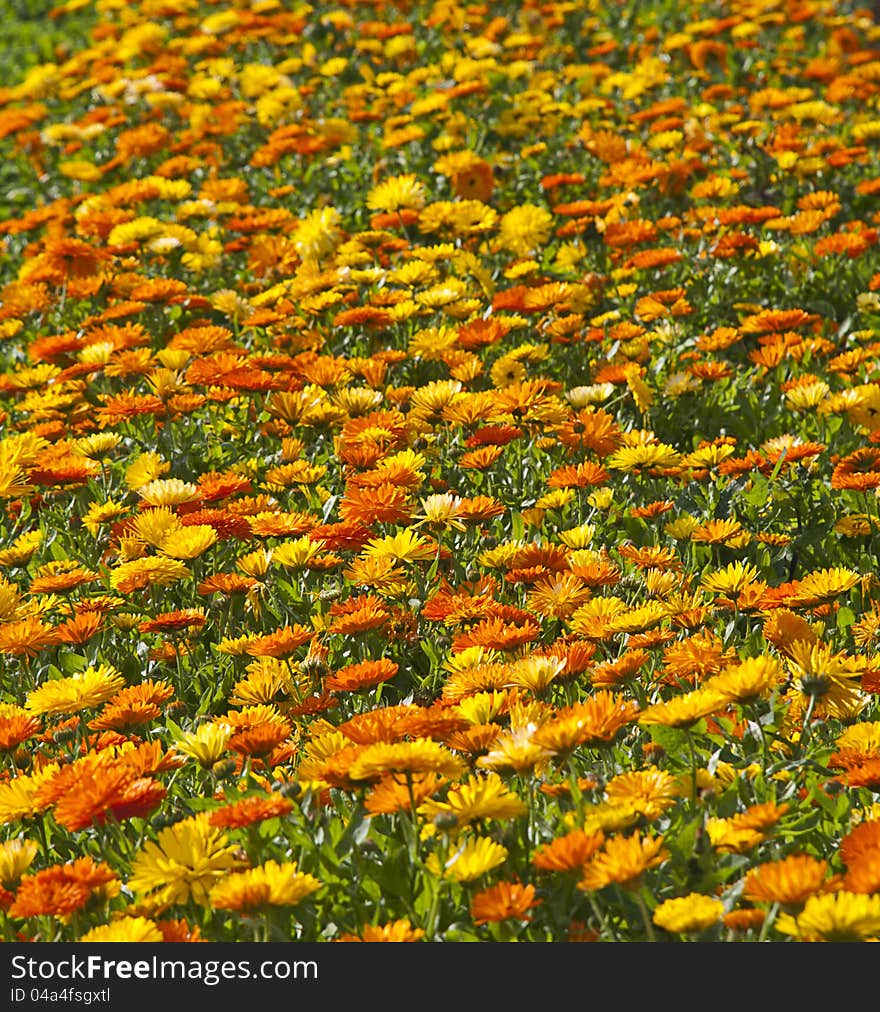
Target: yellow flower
point(147, 572)
point(397, 192)
point(649, 792)
point(684, 710)
point(85, 689)
point(404, 547)
point(835, 917)
point(632, 458)
point(206, 744)
point(623, 860)
point(21, 550)
point(822, 585)
point(154, 525)
point(15, 858)
point(18, 796)
point(185, 862)
point(516, 750)
point(478, 798)
point(693, 912)
point(754, 677)
point(421, 755)
point(271, 884)
point(145, 468)
point(168, 492)
point(524, 229)
point(318, 234)
point(126, 929)
point(188, 542)
point(470, 860)
point(730, 580)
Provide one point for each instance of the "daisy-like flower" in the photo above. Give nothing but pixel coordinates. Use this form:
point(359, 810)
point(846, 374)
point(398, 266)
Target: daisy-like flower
point(146, 572)
point(15, 858)
point(502, 902)
point(206, 744)
point(525, 229)
point(125, 929)
point(485, 797)
point(593, 723)
point(684, 710)
point(16, 726)
point(685, 914)
point(634, 458)
point(272, 884)
point(420, 755)
point(753, 678)
point(86, 689)
point(834, 917)
point(569, 852)
point(790, 881)
point(649, 792)
point(395, 931)
point(168, 492)
point(470, 861)
point(61, 889)
point(731, 580)
point(822, 585)
point(185, 862)
point(402, 547)
point(623, 860)
point(396, 192)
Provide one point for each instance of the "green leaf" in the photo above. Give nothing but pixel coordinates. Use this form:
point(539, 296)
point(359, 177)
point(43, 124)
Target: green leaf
point(845, 617)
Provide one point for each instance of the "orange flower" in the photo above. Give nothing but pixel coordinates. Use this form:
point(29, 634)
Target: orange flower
point(395, 931)
point(62, 889)
point(790, 881)
point(364, 675)
point(503, 901)
point(623, 861)
point(250, 810)
point(570, 852)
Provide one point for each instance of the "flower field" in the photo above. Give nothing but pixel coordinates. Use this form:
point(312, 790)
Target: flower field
point(439, 472)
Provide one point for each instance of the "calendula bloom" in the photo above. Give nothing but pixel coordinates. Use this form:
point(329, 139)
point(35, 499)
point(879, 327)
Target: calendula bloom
point(570, 852)
point(396, 192)
point(471, 860)
point(272, 884)
point(21, 796)
point(16, 857)
point(486, 797)
point(649, 792)
point(623, 860)
point(790, 881)
point(394, 931)
point(61, 889)
point(168, 492)
point(593, 723)
point(420, 755)
point(754, 677)
point(206, 744)
point(691, 913)
point(125, 929)
point(16, 726)
point(147, 572)
point(822, 585)
point(186, 861)
point(684, 710)
point(516, 749)
point(731, 580)
point(503, 901)
point(524, 229)
point(86, 689)
point(834, 917)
